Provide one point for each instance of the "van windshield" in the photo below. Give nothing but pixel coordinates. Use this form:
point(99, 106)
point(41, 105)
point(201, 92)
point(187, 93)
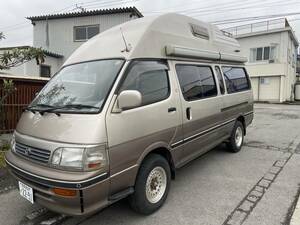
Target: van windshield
point(80, 87)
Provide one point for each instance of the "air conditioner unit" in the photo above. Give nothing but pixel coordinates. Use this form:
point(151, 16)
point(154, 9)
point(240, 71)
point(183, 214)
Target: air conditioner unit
point(271, 61)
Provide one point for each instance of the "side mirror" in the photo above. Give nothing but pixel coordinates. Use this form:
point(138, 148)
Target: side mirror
point(129, 99)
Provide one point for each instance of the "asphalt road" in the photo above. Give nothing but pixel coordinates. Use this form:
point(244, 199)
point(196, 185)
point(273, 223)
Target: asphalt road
point(258, 185)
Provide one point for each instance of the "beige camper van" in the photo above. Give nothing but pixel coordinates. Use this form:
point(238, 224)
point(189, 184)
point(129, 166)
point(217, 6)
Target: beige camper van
point(126, 110)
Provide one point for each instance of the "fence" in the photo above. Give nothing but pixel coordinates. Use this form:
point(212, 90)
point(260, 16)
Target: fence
point(16, 102)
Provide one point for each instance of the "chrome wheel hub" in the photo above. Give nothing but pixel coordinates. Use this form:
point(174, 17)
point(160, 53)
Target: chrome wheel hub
point(238, 137)
point(156, 184)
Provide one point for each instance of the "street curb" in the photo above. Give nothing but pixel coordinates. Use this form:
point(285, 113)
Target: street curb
point(295, 220)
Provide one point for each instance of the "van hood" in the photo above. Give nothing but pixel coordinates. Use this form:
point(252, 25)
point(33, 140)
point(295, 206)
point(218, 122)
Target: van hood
point(67, 128)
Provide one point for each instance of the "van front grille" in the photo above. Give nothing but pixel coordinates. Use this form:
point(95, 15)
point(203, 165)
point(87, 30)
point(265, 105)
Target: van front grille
point(37, 154)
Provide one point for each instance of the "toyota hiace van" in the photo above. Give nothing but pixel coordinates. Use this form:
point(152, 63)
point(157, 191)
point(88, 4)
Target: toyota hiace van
point(126, 110)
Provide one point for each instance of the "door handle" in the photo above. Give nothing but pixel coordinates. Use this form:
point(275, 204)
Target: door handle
point(189, 113)
point(171, 109)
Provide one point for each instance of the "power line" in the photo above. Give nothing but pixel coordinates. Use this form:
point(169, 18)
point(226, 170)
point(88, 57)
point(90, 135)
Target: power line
point(102, 4)
point(224, 8)
point(228, 8)
point(190, 10)
point(13, 25)
point(18, 24)
point(256, 7)
point(108, 1)
point(243, 19)
point(108, 4)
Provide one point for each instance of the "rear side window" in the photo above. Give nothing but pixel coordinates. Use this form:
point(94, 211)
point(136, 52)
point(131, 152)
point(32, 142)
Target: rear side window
point(150, 78)
point(196, 82)
point(220, 79)
point(236, 79)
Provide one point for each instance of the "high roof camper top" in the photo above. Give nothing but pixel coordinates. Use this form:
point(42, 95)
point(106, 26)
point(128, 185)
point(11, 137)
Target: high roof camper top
point(166, 36)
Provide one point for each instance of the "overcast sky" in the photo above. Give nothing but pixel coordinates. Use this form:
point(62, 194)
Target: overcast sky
point(18, 30)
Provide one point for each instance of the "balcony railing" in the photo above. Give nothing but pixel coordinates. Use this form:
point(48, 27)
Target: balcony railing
point(257, 27)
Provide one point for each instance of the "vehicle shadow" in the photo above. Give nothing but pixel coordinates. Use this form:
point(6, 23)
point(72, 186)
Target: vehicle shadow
point(184, 176)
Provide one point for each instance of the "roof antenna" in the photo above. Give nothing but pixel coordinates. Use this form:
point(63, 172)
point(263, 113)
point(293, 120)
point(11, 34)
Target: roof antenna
point(80, 8)
point(127, 46)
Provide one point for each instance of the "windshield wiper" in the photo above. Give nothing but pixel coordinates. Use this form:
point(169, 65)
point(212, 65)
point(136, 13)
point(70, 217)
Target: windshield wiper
point(69, 106)
point(31, 108)
point(40, 105)
point(80, 106)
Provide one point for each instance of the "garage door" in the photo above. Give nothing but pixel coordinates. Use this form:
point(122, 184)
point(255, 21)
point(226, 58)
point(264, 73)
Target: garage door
point(269, 89)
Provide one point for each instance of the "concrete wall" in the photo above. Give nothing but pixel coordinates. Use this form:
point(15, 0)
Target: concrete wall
point(281, 74)
point(61, 36)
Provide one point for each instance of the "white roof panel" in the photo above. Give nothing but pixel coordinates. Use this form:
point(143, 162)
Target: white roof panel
point(148, 37)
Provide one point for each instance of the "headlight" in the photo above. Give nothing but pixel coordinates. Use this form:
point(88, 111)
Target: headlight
point(13, 143)
point(82, 159)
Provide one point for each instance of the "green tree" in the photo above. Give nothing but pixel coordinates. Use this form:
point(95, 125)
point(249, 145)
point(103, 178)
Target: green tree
point(8, 88)
point(18, 56)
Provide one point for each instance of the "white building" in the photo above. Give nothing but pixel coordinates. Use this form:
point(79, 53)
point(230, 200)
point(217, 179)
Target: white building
point(59, 35)
point(52, 63)
point(271, 48)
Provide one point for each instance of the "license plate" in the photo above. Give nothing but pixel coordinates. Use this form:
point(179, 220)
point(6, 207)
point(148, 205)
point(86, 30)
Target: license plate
point(26, 191)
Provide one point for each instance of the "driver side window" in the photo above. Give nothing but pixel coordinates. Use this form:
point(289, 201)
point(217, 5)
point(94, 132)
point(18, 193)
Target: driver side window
point(150, 78)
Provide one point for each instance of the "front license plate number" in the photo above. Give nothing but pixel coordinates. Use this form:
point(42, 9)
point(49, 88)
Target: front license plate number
point(26, 192)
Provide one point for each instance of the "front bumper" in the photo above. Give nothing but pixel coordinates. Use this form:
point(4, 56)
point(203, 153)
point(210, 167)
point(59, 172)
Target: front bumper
point(91, 193)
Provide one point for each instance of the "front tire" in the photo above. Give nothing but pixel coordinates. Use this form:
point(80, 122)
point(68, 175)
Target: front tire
point(236, 140)
point(152, 185)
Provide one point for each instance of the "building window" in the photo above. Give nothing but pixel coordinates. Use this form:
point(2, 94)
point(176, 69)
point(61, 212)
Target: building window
point(264, 80)
point(262, 53)
point(236, 79)
point(45, 71)
point(84, 33)
point(290, 56)
point(196, 82)
point(294, 60)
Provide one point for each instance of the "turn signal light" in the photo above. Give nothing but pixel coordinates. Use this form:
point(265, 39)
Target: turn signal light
point(94, 165)
point(64, 192)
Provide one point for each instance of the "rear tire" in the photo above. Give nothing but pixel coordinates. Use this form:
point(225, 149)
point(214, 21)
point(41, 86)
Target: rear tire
point(236, 140)
point(152, 185)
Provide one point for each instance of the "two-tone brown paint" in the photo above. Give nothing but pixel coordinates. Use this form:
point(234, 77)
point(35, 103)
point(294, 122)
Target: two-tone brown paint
point(130, 136)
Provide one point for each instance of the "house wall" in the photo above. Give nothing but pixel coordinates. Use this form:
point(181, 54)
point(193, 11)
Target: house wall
point(61, 35)
point(61, 39)
point(32, 69)
point(281, 74)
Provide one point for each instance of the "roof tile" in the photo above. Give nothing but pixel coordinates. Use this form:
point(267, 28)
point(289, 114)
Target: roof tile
point(133, 10)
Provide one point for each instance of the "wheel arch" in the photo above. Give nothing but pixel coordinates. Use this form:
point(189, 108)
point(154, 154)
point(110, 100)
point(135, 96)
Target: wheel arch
point(162, 149)
point(241, 118)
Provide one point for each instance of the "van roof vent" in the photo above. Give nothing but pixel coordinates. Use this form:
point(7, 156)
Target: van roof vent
point(199, 31)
